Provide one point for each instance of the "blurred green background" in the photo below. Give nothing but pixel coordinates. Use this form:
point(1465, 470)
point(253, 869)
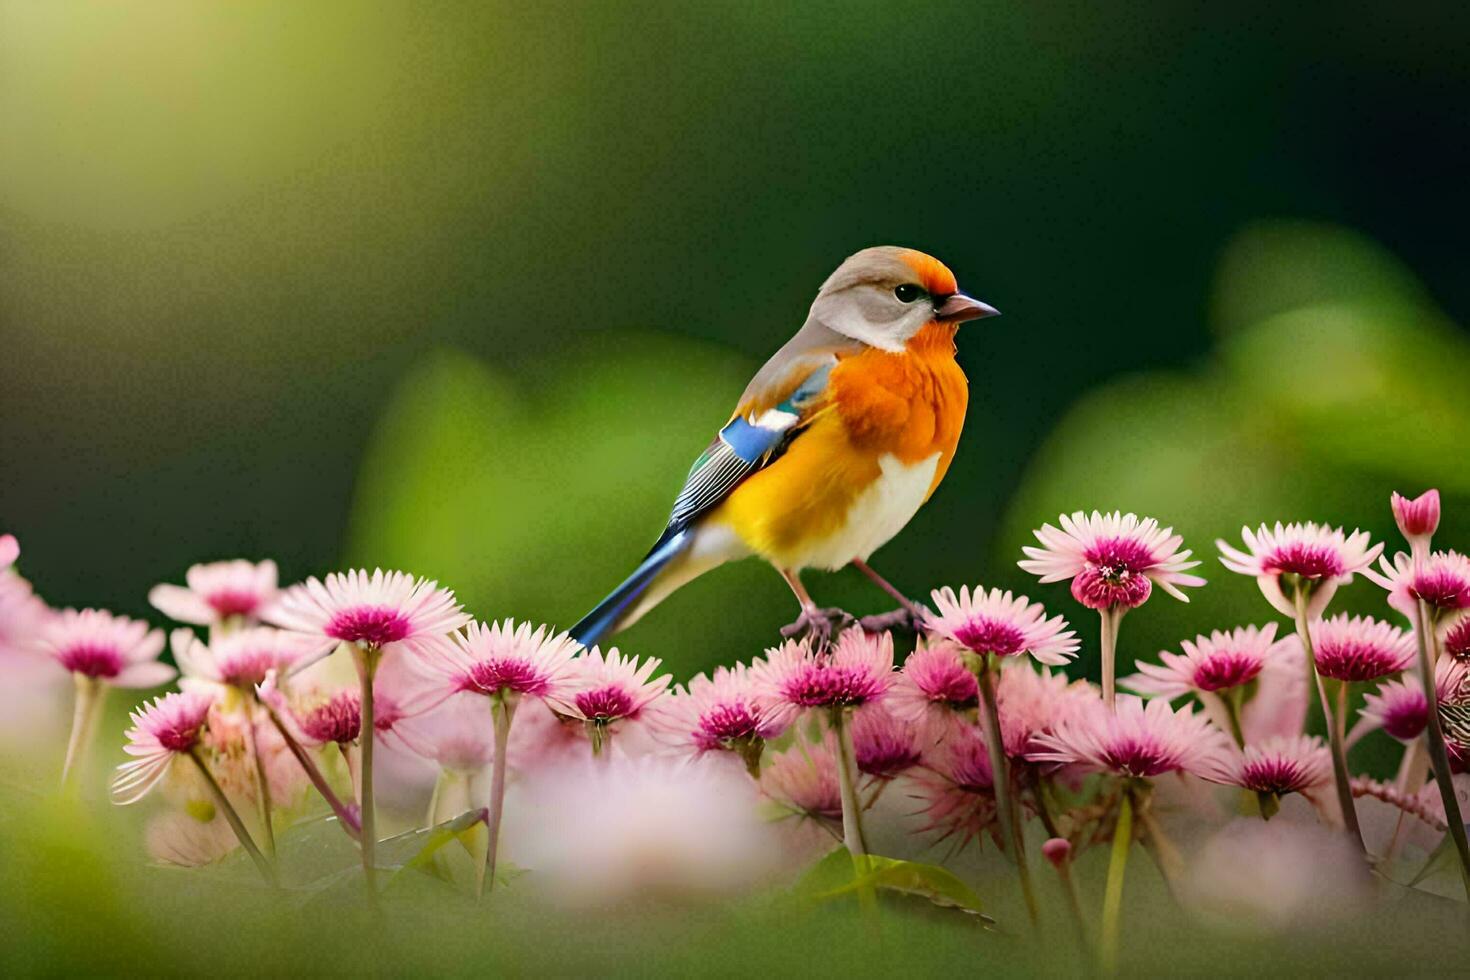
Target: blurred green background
point(463, 288)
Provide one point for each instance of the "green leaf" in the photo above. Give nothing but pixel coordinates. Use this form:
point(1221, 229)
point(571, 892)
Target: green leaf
point(835, 876)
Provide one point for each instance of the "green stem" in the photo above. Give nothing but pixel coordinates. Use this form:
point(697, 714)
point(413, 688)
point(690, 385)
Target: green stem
point(852, 817)
point(1005, 802)
point(1232, 714)
point(1074, 905)
point(87, 709)
point(1334, 728)
point(1439, 758)
point(502, 712)
point(262, 783)
point(233, 819)
point(349, 821)
point(1111, 617)
point(1113, 895)
point(367, 667)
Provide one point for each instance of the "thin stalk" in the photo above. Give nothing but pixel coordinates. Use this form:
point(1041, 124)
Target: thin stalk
point(852, 818)
point(85, 712)
point(367, 666)
point(1113, 895)
point(1043, 809)
point(262, 783)
point(502, 711)
point(1439, 759)
point(1074, 905)
point(1005, 801)
point(1110, 617)
point(1334, 728)
point(1163, 851)
point(236, 824)
point(1232, 714)
point(345, 816)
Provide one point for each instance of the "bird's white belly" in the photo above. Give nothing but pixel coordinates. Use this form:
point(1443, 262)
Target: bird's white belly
point(878, 513)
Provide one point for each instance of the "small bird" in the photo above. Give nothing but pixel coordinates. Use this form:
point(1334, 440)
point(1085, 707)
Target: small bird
point(836, 443)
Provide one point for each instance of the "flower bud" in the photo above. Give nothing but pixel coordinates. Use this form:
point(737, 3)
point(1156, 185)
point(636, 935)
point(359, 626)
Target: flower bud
point(1057, 850)
point(1418, 519)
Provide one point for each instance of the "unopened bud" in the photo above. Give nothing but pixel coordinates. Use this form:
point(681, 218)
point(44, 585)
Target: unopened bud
point(1057, 850)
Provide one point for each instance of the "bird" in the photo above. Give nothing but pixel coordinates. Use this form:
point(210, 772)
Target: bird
point(833, 447)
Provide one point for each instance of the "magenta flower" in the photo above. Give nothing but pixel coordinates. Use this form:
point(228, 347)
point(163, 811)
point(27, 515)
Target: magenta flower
point(720, 713)
point(1218, 662)
point(956, 789)
point(934, 690)
point(1030, 701)
point(804, 781)
point(1455, 641)
point(503, 659)
point(9, 551)
point(1360, 648)
point(1397, 707)
point(884, 746)
point(1002, 624)
point(793, 677)
point(1320, 557)
point(241, 659)
point(1440, 579)
point(1276, 766)
point(1113, 560)
point(316, 718)
point(378, 611)
point(113, 650)
point(1138, 739)
point(608, 687)
point(168, 726)
point(218, 592)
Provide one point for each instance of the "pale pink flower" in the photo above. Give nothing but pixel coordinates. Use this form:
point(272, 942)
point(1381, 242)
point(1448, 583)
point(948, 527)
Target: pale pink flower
point(803, 780)
point(608, 687)
point(858, 669)
point(1397, 707)
point(883, 745)
point(1213, 663)
point(111, 649)
point(1030, 701)
point(1440, 579)
point(503, 659)
point(9, 551)
point(1279, 704)
point(316, 717)
point(1417, 519)
point(217, 592)
point(956, 789)
point(163, 729)
point(1114, 560)
point(240, 659)
point(456, 733)
point(722, 712)
point(1322, 557)
point(542, 738)
point(1001, 623)
point(382, 610)
point(23, 616)
point(1138, 739)
point(1360, 648)
point(934, 689)
point(1277, 766)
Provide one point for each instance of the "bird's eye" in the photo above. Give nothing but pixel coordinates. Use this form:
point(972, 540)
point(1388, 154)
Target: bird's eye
point(908, 292)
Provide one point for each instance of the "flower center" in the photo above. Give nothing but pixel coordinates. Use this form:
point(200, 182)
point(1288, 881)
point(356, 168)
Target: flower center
point(178, 736)
point(726, 723)
point(1441, 588)
point(1457, 640)
point(604, 703)
point(1355, 660)
point(247, 668)
point(92, 660)
point(339, 719)
point(1226, 669)
point(985, 635)
point(1406, 718)
point(955, 689)
point(1314, 561)
point(505, 674)
point(232, 602)
point(821, 684)
point(1135, 757)
point(1272, 775)
point(369, 625)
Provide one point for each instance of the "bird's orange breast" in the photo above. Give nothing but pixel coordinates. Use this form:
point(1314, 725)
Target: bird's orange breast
point(908, 405)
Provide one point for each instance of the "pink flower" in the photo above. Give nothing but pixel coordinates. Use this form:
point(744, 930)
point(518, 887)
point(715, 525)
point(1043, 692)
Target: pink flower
point(723, 712)
point(1321, 557)
point(456, 734)
point(956, 789)
point(1440, 579)
point(1360, 648)
point(217, 592)
point(240, 659)
point(1455, 643)
point(608, 687)
point(1279, 704)
point(1417, 519)
point(1217, 662)
point(1139, 739)
point(503, 660)
point(112, 649)
point(382, 610)
point(315, 718)
point(1002, 624)
point(1030, 701)
point(9, 551)
point(1113, 560)
point(23, 616)
point(1277, 766)
point(1397, 707)
point(168, 726)
point(884, 746)
point(803, 780)
point(858, 669)
point(934, 690)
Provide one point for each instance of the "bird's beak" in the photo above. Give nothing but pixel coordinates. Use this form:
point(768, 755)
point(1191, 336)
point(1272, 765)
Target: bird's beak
point(957, 308)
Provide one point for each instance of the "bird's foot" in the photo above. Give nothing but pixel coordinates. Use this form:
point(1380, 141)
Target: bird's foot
point(817, 625)
point(903, 618)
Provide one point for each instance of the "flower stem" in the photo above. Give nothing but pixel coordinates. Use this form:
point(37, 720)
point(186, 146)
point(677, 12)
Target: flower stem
point(1005, 801)
point(1334, 728)
point(87, 709)
point(236, 824)
point(1439, 758)
point(1074, 904)
point(1232, 714)
point(367, 666)
point(502, 712)
point(852, 818)
point(262, 783)
point(1113, 895)
point(1110, 617)
point(345, 816)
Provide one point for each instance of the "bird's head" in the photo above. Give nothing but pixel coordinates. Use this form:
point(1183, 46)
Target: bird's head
point(884, 295)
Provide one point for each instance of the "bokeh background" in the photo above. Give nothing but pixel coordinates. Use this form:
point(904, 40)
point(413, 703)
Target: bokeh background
point(464, 288)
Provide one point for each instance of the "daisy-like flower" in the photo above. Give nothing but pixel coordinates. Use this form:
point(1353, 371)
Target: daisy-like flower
point(956, 789)
point(112, 650)
point(1454, 641)
point(455, 734)
point(803, 780)
point(1138, 739)
point(1218, 662)
point(1276, 766)
point(218, 592)
point(1440, 579)
point(317, 718)
point(504, 660)
point(1030, 701)
point(240, 659)
point(721, 712)
point(858, 669)
point(9, 551)
point(382, 610)
point(24, 616)
point(884, 746)
point(1317, 557)
point(1000, 623)
point(163, 729)
point(1397, 707)
point(609, 687)
point(1417, 519)
point(1360, 648)
point(934, 690)
point(1114, 560)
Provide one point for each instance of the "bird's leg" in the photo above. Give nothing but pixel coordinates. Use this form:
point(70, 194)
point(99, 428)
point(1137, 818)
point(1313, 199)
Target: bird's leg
point(814, 621)
point(909, 614)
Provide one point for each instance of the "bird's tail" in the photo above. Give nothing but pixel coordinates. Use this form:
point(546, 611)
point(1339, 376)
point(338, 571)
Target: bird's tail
point(606, 616)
